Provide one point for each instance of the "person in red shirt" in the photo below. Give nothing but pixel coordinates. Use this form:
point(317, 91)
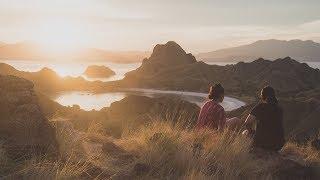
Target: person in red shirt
point(212, 115)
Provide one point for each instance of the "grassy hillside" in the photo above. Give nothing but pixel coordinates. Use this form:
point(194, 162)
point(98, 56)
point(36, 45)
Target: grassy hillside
point(161, 151)
point(144, 138)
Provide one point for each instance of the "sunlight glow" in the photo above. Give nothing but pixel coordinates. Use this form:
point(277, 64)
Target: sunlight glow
point(60, 36)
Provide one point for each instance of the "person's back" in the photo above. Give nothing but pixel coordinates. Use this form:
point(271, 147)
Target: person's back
point(212, 115)
point(268, 117)
point(269, 133)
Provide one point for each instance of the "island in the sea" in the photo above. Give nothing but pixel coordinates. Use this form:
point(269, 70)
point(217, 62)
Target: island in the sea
point(95, 71)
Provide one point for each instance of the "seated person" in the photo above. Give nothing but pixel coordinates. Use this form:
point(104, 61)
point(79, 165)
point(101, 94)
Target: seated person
point(265, 122)
point(212, 115)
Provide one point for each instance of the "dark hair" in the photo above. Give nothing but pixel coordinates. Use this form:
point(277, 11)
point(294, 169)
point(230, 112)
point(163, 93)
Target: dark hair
point(268, 94)
point(215, 91)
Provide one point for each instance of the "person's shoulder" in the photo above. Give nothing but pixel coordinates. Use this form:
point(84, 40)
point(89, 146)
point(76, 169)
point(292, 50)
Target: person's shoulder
point(219, 107)
point(207, 103)
point(213, 104)
point(280, 109)
point(260, 105)
point(257, 108)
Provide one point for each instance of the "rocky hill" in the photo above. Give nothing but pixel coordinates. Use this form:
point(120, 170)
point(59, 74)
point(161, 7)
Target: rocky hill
point(269, 49)
point(23, 127)
point(164, 56)
point(46, 80)
point(180, 71)
point(95, 71)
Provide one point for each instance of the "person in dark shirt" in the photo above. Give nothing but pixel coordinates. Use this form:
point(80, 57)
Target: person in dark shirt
point(265, 122)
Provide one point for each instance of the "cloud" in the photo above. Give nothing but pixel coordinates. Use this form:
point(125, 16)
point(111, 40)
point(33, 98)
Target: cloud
point(311, 26)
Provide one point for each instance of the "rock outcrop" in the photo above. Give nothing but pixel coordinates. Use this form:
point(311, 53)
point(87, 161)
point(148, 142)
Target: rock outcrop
point(47, 80)
point(23, 128)
point(95, 71)
point(141, 108)
point(164, 56)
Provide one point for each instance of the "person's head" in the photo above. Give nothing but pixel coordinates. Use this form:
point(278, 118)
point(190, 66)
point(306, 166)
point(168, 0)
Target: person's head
point(268, 95)
point(216, 93)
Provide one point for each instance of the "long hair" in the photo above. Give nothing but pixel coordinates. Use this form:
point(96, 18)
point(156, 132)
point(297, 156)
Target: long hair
point(216, 91)
point(268, 94)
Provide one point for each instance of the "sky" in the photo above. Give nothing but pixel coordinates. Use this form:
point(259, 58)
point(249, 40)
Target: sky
point(197, 25)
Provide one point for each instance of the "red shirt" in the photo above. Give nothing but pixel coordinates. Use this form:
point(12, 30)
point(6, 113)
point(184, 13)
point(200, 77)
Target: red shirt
point(212, 115)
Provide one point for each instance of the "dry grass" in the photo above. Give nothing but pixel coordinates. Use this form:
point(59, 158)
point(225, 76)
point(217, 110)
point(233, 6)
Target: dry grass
point(305, 154)
point(157, 151)
point(173, 153)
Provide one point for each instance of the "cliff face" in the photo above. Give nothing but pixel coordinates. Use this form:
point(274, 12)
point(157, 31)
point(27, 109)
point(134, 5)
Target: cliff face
point(23, 127)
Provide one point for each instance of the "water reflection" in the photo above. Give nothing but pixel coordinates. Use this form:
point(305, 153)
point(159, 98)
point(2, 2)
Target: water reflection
point(89, 101)
point(73, 69)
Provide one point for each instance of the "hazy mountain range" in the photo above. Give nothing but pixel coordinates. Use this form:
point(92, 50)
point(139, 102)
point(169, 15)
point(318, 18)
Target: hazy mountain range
point(268, 49)
point(31, 51)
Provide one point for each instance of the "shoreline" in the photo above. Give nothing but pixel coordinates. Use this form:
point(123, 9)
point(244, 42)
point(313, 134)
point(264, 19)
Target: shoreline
point(100, 100)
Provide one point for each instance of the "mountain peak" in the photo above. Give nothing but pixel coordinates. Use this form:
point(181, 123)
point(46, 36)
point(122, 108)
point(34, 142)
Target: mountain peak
point(302, 50)
point(170, 48)
point(293, 42)
point(163, 56)
point(47, 72)
point(170, 53)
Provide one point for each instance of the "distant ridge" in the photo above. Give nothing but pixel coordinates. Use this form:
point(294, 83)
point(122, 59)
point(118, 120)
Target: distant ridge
point(170, 67)
point(269, 49)
point(32, 51)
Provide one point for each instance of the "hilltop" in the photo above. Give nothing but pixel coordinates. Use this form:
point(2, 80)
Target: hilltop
point(164, 56)
point(269, 49)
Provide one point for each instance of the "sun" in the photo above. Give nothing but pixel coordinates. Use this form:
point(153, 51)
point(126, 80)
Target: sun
point(60, 36)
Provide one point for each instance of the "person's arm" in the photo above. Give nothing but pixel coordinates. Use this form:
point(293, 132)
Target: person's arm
point(249, 123)
point(252, 119)
point(198, 124)
point(222, 120)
